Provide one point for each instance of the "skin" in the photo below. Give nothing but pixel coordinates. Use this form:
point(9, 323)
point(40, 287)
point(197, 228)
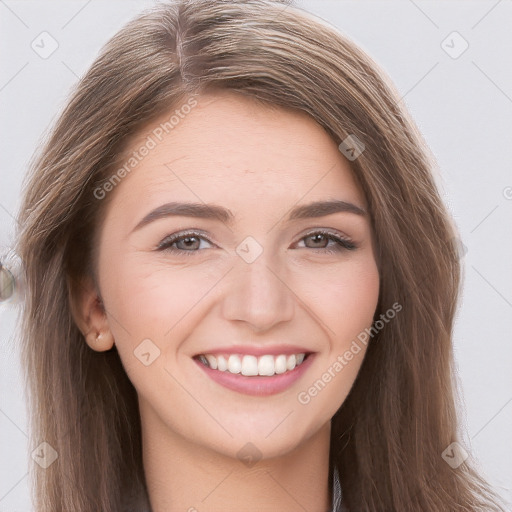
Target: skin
point(259, 163)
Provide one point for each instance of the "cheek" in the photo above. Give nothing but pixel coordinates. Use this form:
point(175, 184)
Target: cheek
point(151, 299)
point(344, 297)
point(346, 307)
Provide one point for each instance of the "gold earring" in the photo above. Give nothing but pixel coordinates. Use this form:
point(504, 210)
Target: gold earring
point(96, 340)
point(91, 337)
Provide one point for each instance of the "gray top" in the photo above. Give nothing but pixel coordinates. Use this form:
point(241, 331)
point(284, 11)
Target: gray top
point(336, 496)
point(336, 493)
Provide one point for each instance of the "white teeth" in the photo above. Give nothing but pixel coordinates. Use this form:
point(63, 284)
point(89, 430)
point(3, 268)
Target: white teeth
point(280, 364)
point(291, 362)
point(266, 365)
point(212, 361)
point(250, 365)
point(222, 364)
point(234, 364)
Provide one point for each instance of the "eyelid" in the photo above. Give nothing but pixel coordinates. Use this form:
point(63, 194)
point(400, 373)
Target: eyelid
point(175, 237)
point(326, 231)
point(343, 241)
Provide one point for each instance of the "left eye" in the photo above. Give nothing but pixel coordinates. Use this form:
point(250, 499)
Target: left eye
point(340, 243)
point(190, 242)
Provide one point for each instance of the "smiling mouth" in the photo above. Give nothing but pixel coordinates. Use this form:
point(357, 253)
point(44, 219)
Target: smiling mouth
point(250, 365)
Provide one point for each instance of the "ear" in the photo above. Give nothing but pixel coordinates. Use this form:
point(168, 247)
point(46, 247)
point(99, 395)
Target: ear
point(89, 313)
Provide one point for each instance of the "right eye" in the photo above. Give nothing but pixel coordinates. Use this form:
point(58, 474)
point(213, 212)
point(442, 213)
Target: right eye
point(190, 242)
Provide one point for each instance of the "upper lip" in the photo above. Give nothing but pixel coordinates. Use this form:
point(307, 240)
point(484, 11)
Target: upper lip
point(257, 350)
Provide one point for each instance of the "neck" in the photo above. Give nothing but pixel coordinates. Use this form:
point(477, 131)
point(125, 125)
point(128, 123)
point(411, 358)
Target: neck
point(184, 476)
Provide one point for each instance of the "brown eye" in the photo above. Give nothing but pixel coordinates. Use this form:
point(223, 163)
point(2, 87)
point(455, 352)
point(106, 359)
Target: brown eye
point(188, 243)
point(320, 240)
point(184, 243)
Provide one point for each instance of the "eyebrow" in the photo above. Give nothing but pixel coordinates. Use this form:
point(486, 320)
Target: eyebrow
point(215, 212)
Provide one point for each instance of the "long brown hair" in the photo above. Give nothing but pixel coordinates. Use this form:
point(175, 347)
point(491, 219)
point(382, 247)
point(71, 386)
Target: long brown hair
point(389, 435)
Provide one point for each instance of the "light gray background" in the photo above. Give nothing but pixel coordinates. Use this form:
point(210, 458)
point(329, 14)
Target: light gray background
point(463, 106)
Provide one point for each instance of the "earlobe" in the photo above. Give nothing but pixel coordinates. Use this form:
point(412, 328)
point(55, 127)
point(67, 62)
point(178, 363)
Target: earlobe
point(89, 314)
point(100, 341)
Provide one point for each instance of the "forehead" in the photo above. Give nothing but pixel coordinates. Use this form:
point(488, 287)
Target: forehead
point(228, 147)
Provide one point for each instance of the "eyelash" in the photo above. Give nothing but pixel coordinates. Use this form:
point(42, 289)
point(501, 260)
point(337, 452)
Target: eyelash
point(342, 244)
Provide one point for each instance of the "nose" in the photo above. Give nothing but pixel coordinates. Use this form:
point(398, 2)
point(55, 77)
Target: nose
point(258, 295)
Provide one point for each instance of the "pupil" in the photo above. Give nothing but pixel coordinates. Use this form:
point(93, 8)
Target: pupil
point(317, 238)
point(189, 241)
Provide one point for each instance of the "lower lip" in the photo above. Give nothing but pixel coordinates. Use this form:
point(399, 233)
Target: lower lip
point(257, 385)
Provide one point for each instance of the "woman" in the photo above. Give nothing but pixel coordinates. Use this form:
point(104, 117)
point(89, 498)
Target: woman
point(188, 344)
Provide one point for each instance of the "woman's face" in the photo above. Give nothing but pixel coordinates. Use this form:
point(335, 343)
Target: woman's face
point(239, 267)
